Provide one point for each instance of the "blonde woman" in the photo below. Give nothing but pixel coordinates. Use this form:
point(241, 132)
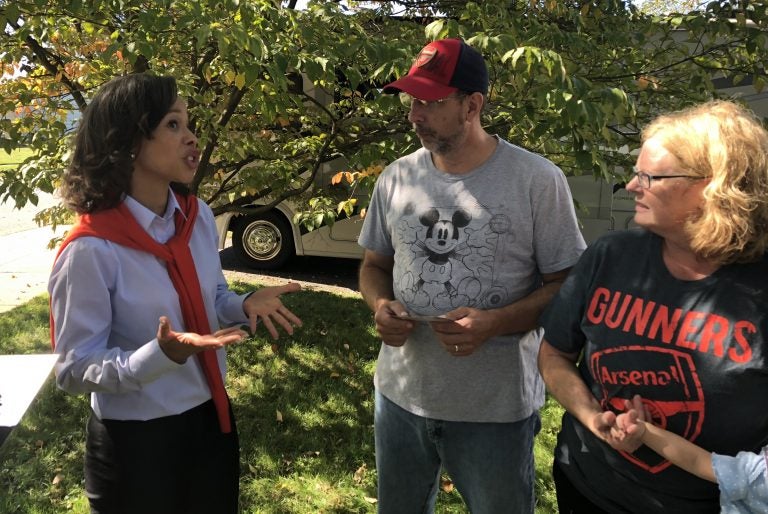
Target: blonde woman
point(676, 313)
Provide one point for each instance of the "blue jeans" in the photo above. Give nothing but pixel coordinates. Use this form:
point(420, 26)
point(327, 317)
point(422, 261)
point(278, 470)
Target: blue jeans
point(491, 464)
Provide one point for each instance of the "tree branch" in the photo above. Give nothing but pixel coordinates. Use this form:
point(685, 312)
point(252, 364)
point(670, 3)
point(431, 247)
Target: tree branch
point(55, 67)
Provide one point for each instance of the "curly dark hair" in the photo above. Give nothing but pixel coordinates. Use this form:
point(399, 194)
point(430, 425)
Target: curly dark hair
point(123, 112)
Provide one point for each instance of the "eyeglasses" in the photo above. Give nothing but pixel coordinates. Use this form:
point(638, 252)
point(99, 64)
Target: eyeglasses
point(408, 100)
point(645, 179)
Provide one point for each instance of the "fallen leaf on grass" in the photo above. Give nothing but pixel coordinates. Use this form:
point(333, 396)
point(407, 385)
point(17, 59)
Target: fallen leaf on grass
point(279, 416)
point(446, 485)
point(57, 479)
point(371, 500)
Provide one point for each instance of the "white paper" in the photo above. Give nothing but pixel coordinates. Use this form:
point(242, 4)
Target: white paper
point(21, 377)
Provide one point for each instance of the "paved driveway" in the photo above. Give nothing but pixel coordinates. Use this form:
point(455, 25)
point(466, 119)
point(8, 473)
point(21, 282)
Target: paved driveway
point(25, 260)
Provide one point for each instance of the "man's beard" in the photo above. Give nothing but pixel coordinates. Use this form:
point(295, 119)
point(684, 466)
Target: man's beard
point(441, 145)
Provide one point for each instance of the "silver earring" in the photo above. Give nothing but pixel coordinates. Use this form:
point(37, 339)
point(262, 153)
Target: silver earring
point(133, 155)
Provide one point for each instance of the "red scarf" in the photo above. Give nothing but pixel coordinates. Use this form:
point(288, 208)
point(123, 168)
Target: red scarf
point(119, 226)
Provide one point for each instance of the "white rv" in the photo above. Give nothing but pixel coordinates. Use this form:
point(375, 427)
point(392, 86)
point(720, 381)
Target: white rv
point(268, 240)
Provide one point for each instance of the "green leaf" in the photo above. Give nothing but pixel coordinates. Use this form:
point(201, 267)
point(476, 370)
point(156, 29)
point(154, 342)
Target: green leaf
point(435, 30)
point(561, 81)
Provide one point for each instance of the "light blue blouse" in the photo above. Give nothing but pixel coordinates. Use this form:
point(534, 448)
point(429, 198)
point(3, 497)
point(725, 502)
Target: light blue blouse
point(743, 482)
point(106, 301)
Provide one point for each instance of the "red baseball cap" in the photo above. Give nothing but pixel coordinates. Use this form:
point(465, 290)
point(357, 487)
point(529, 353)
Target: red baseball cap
point(442, 68)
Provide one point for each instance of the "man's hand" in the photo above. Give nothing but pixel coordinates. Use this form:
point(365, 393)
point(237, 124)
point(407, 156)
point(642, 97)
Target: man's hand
point(468, 331)
point(265, 305)
point(179, 346)
point(392, 330)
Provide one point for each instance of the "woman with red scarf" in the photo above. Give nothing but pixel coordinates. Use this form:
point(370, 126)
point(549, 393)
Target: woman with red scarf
point(137, 301)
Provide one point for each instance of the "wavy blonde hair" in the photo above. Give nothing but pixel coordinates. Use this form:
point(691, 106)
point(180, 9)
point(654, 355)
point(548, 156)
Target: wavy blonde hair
point(726, 143)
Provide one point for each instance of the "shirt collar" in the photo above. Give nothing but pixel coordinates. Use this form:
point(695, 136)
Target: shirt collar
point(145, 217)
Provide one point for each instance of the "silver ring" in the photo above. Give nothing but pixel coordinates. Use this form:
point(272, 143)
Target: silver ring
point(455, 348)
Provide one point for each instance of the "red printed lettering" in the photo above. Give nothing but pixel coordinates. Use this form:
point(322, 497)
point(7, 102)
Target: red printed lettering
point(615, 316)
point(688, 328)
point(692, 330)
point(665, 323)
point(714, 332)
point(596, 309)
point(741, 341)
point(639, 378)
point(638, 316)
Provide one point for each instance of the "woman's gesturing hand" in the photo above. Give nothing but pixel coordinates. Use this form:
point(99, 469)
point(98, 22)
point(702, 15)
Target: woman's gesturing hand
point(265, 304)
point(178, 346)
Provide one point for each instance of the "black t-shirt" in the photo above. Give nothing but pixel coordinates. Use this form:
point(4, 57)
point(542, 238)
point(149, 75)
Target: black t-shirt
point(694, 350)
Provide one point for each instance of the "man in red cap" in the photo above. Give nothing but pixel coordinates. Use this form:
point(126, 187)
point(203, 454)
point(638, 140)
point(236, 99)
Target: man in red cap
point(466, 241)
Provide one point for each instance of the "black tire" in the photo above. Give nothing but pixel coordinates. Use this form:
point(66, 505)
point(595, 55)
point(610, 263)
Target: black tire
point(263, 241)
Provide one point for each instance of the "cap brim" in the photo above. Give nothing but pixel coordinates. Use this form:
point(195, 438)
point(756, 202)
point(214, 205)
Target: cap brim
point(420, 87)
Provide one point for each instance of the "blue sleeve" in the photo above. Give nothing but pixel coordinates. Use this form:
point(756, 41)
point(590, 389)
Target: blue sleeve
point(81, 303)
point(228, 304)
point(742, 481)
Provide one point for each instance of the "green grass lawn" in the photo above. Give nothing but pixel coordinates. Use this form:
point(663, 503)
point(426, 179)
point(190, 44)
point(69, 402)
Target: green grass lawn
point(304, 409)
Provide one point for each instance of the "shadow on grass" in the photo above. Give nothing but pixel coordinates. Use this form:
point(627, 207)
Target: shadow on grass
point(41, 462)
point(305, 409)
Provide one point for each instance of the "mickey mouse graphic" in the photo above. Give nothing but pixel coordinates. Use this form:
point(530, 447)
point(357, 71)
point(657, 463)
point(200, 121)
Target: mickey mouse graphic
point(442, 250)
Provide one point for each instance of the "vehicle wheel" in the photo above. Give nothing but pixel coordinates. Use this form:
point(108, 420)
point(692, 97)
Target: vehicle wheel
point(263, 241)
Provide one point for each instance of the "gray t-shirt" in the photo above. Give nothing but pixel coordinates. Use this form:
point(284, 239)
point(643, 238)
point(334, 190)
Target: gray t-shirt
point(479, 239)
